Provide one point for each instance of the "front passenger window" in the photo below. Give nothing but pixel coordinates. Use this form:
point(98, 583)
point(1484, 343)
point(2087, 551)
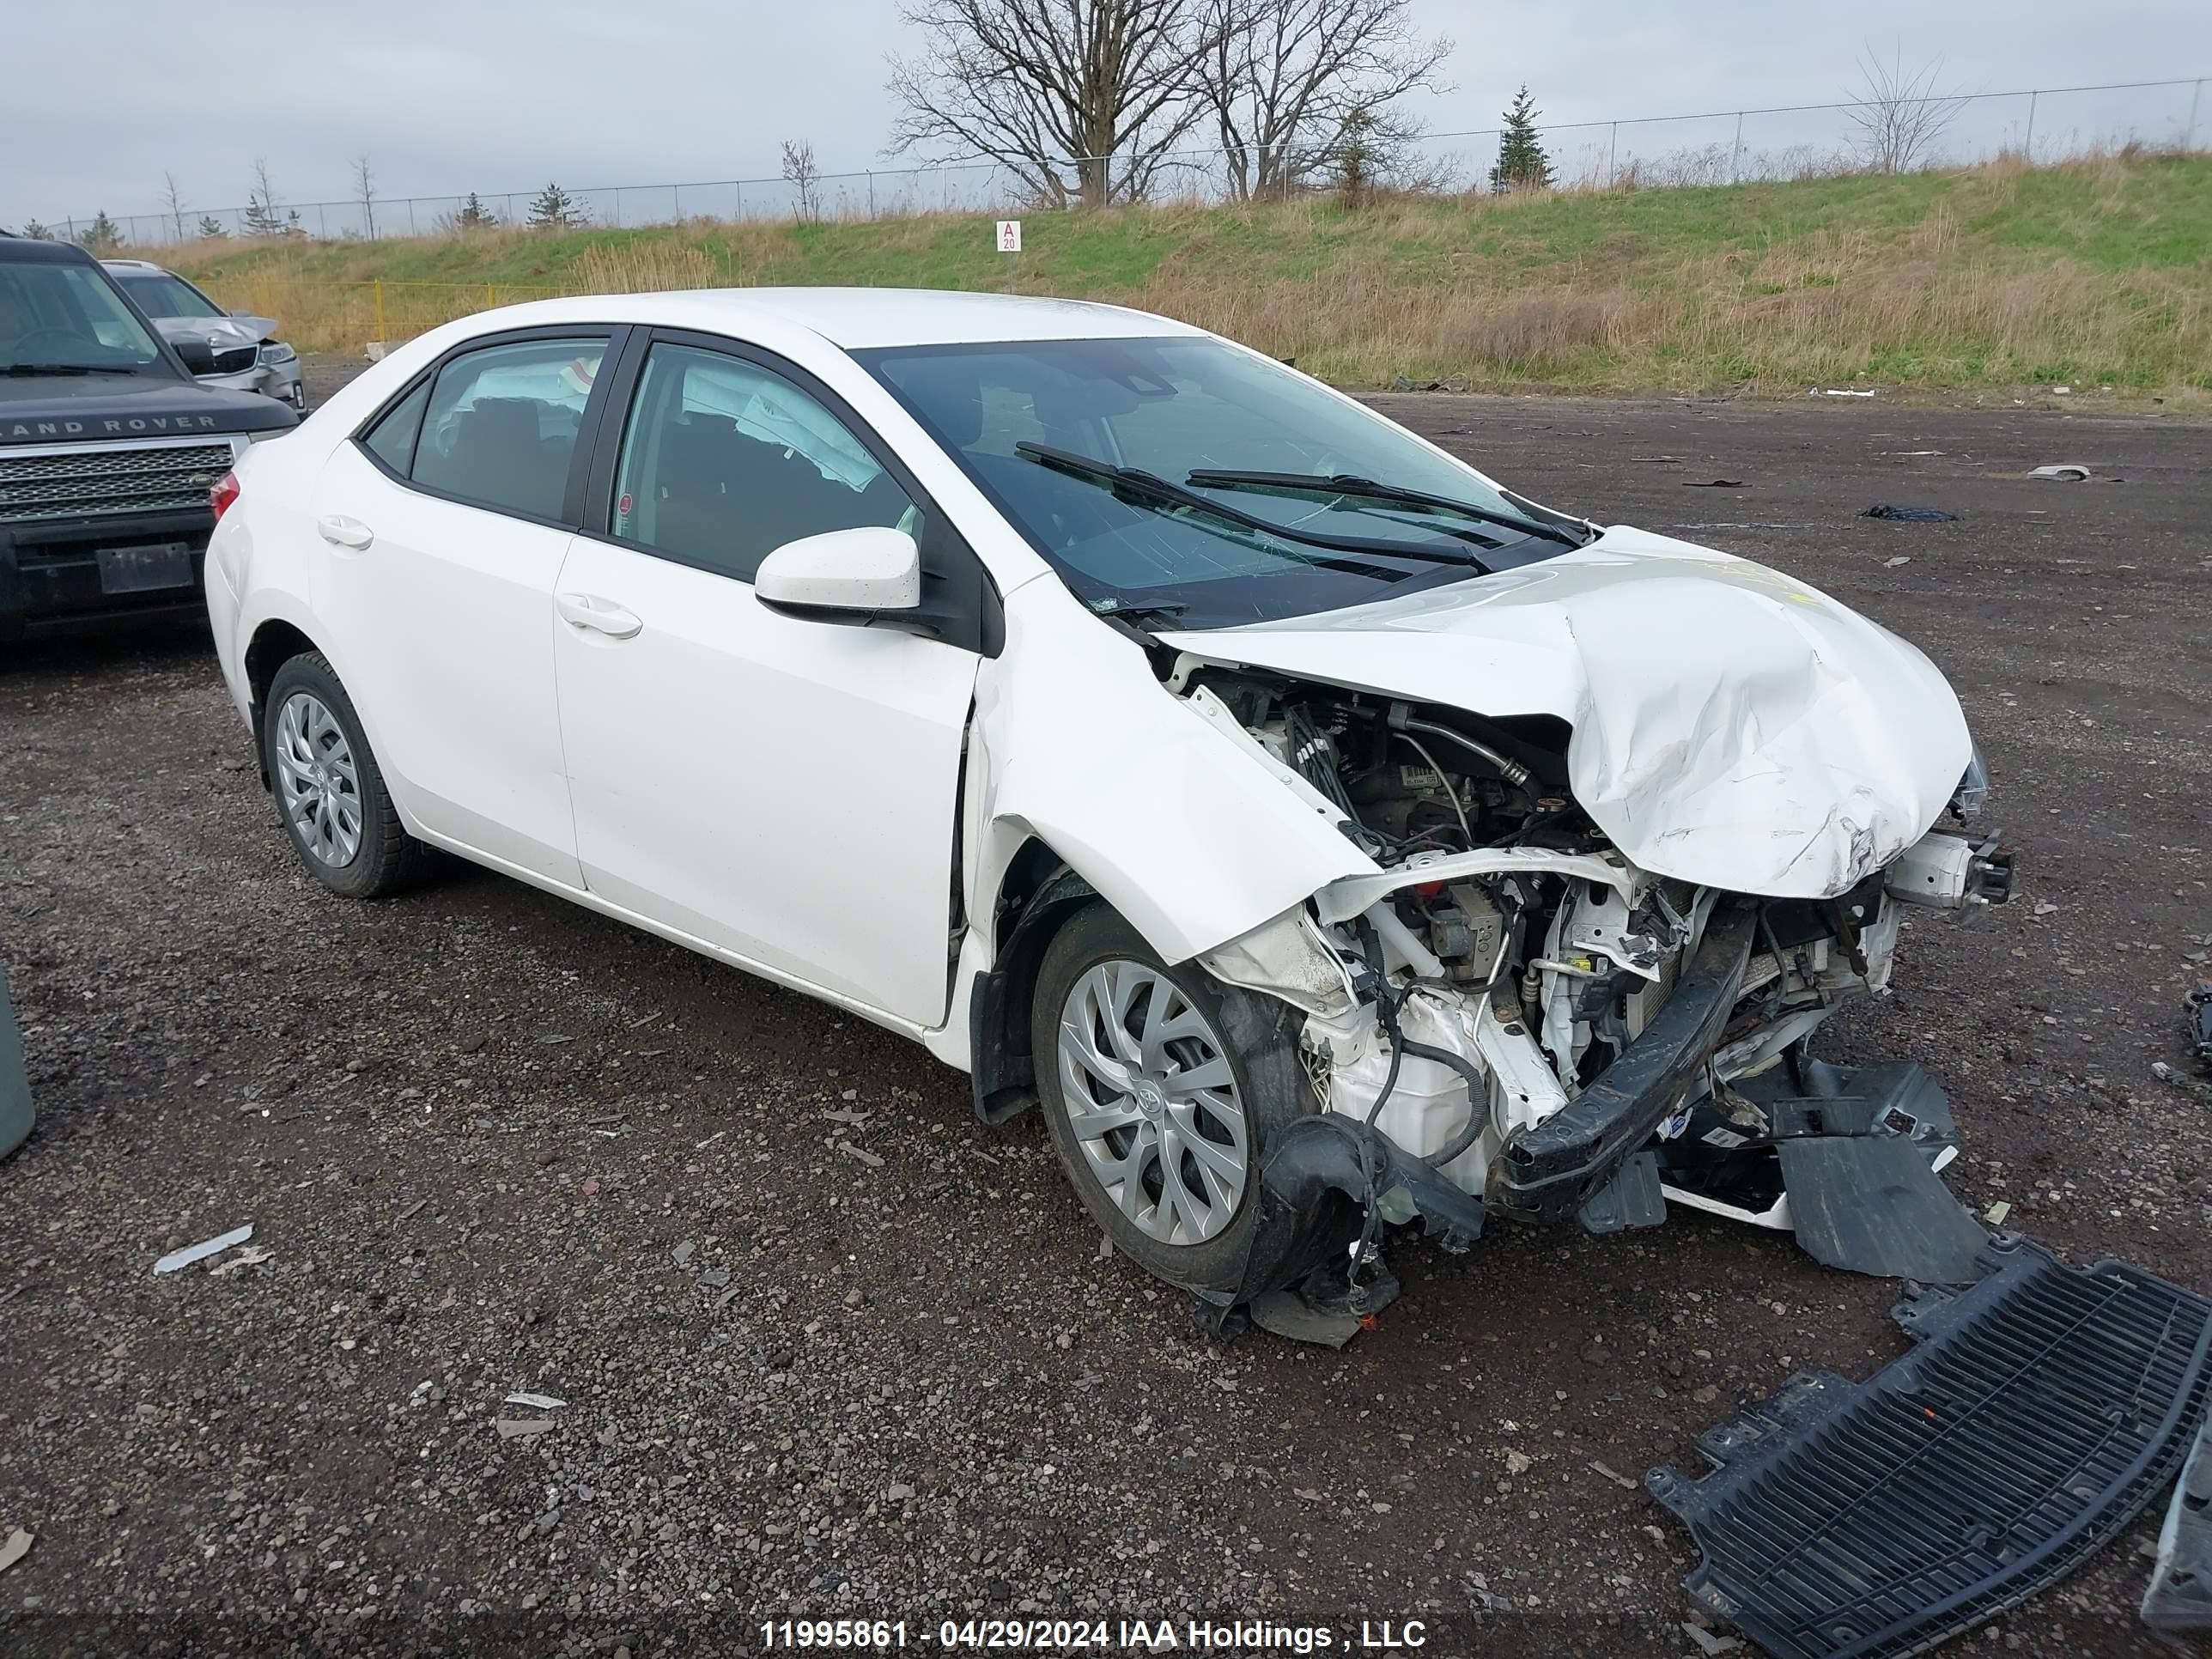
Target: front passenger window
point(501, 424)
point(723, 462)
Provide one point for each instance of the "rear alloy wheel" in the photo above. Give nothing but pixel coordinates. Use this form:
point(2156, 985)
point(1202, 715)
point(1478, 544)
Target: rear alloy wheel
point(318, 783)
point(1161, 1085)
point(329, 789)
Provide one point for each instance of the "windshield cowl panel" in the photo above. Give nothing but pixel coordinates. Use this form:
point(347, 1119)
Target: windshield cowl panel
point(1085, 446)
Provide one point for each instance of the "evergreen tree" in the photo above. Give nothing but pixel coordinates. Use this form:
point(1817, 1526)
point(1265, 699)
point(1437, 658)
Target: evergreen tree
point(1522, 163)
point(556, 209)
point(1354, 160)
point(102, 235)
point(37, 232)
point(212, 228)
point(474, 215)
point(261, 217)
point(292, 225)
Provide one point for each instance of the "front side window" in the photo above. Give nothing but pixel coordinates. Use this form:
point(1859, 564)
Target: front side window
point(1189, 412)
point(724, 461)
point(500, 425)
point(67, 319)
point(159, 294)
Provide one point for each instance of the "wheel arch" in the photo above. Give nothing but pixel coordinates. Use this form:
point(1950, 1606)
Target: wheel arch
point(276, 642)
point(1038, 894)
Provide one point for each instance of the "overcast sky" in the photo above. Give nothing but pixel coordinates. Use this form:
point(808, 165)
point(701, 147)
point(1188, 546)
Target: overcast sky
point(103, 96)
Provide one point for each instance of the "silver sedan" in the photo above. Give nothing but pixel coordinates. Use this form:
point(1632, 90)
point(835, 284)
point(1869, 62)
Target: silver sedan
point(226, 348)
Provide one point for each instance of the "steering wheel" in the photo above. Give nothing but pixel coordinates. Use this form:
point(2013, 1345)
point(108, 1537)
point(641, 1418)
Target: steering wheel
point(27, 350)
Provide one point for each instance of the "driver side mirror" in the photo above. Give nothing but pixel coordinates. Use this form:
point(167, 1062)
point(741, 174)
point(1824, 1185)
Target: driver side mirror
point(854, 576)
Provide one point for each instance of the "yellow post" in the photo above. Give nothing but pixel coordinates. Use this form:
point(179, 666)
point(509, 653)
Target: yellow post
point(490, 298)
point(379, 286)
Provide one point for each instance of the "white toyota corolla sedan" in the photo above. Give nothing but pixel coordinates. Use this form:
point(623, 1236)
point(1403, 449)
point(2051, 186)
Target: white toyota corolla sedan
point(1327, 837)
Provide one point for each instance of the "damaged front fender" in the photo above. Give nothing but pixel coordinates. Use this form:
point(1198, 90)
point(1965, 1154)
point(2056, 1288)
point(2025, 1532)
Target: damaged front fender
point(1177, 825)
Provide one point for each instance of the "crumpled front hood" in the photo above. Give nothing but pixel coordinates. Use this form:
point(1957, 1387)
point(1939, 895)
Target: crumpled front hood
point(1732, 726)
point(219, 332)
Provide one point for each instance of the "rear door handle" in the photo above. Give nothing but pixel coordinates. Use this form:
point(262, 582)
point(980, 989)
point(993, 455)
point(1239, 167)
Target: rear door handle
point(589, 610)
point(341, 531)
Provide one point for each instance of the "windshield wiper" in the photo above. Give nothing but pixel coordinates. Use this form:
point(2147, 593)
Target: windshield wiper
point(1140, 488)
point(1304, 483)
point(67, 368)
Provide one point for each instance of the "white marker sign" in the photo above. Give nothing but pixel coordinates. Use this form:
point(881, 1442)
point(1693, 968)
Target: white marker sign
point(1010, 236)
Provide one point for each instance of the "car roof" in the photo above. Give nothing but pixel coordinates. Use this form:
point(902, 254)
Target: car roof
point(30, 250)
point(132, 264)
point(861, 317)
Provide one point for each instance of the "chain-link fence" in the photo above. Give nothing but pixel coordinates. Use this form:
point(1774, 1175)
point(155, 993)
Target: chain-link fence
point(1716, 146)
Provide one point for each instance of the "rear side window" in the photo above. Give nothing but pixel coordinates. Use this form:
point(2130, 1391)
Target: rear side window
point(500, 425)
point(392, 439)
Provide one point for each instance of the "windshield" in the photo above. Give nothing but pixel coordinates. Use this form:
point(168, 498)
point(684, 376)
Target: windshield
point(67, 316)
point(161, 294)
point(1178, 406)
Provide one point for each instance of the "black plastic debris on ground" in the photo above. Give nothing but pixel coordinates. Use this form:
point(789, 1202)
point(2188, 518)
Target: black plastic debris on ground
point(1909, 514)
point(1872, 1205)
point(2198, 1007)
point(2041, 1410)
point(2179, 1599)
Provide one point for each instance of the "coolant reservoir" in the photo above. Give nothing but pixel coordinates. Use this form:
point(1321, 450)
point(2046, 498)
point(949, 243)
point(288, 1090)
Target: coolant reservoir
point(1427, 1106)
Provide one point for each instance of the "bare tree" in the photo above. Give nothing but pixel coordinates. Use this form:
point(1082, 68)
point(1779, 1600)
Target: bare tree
point(1082, 100)
point(364, 191)
point(172, 203)
point(1899, 117)
point(803, 175)
point(1300, 89)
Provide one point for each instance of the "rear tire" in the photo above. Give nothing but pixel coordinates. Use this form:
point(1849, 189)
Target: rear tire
point(328, 788)
point(1161, 1087)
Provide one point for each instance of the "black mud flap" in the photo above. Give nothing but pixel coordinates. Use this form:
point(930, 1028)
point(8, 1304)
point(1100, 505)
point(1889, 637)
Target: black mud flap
point(2040, 1411)
point(2179, 1599)
point(1871, 1204)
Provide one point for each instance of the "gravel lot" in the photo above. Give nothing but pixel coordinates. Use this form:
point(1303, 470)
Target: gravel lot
point(491, 1142)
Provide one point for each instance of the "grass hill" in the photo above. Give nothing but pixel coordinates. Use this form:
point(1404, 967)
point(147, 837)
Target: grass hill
point(2091, 273)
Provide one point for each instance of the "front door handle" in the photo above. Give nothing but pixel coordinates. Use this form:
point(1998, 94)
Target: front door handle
point(341, 531)
point(589, 610)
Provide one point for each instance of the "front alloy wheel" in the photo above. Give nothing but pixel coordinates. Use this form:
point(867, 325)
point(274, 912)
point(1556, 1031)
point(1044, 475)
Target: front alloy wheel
point(1152, 1103)
point(1161, 1086)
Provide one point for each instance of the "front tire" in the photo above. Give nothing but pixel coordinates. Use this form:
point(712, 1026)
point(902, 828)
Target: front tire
point(1161, 1087)
point(329, 789)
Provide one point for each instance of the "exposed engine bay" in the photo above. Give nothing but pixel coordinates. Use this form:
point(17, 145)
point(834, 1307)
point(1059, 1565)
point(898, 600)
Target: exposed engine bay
point(1511, 1017)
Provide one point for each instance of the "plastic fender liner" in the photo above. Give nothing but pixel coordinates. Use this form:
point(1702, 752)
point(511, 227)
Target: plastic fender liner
point(2041, 1410)
point(1549, 1172)
point(1316, 1155)
point(1313, 1171)
point(1001, 1069)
